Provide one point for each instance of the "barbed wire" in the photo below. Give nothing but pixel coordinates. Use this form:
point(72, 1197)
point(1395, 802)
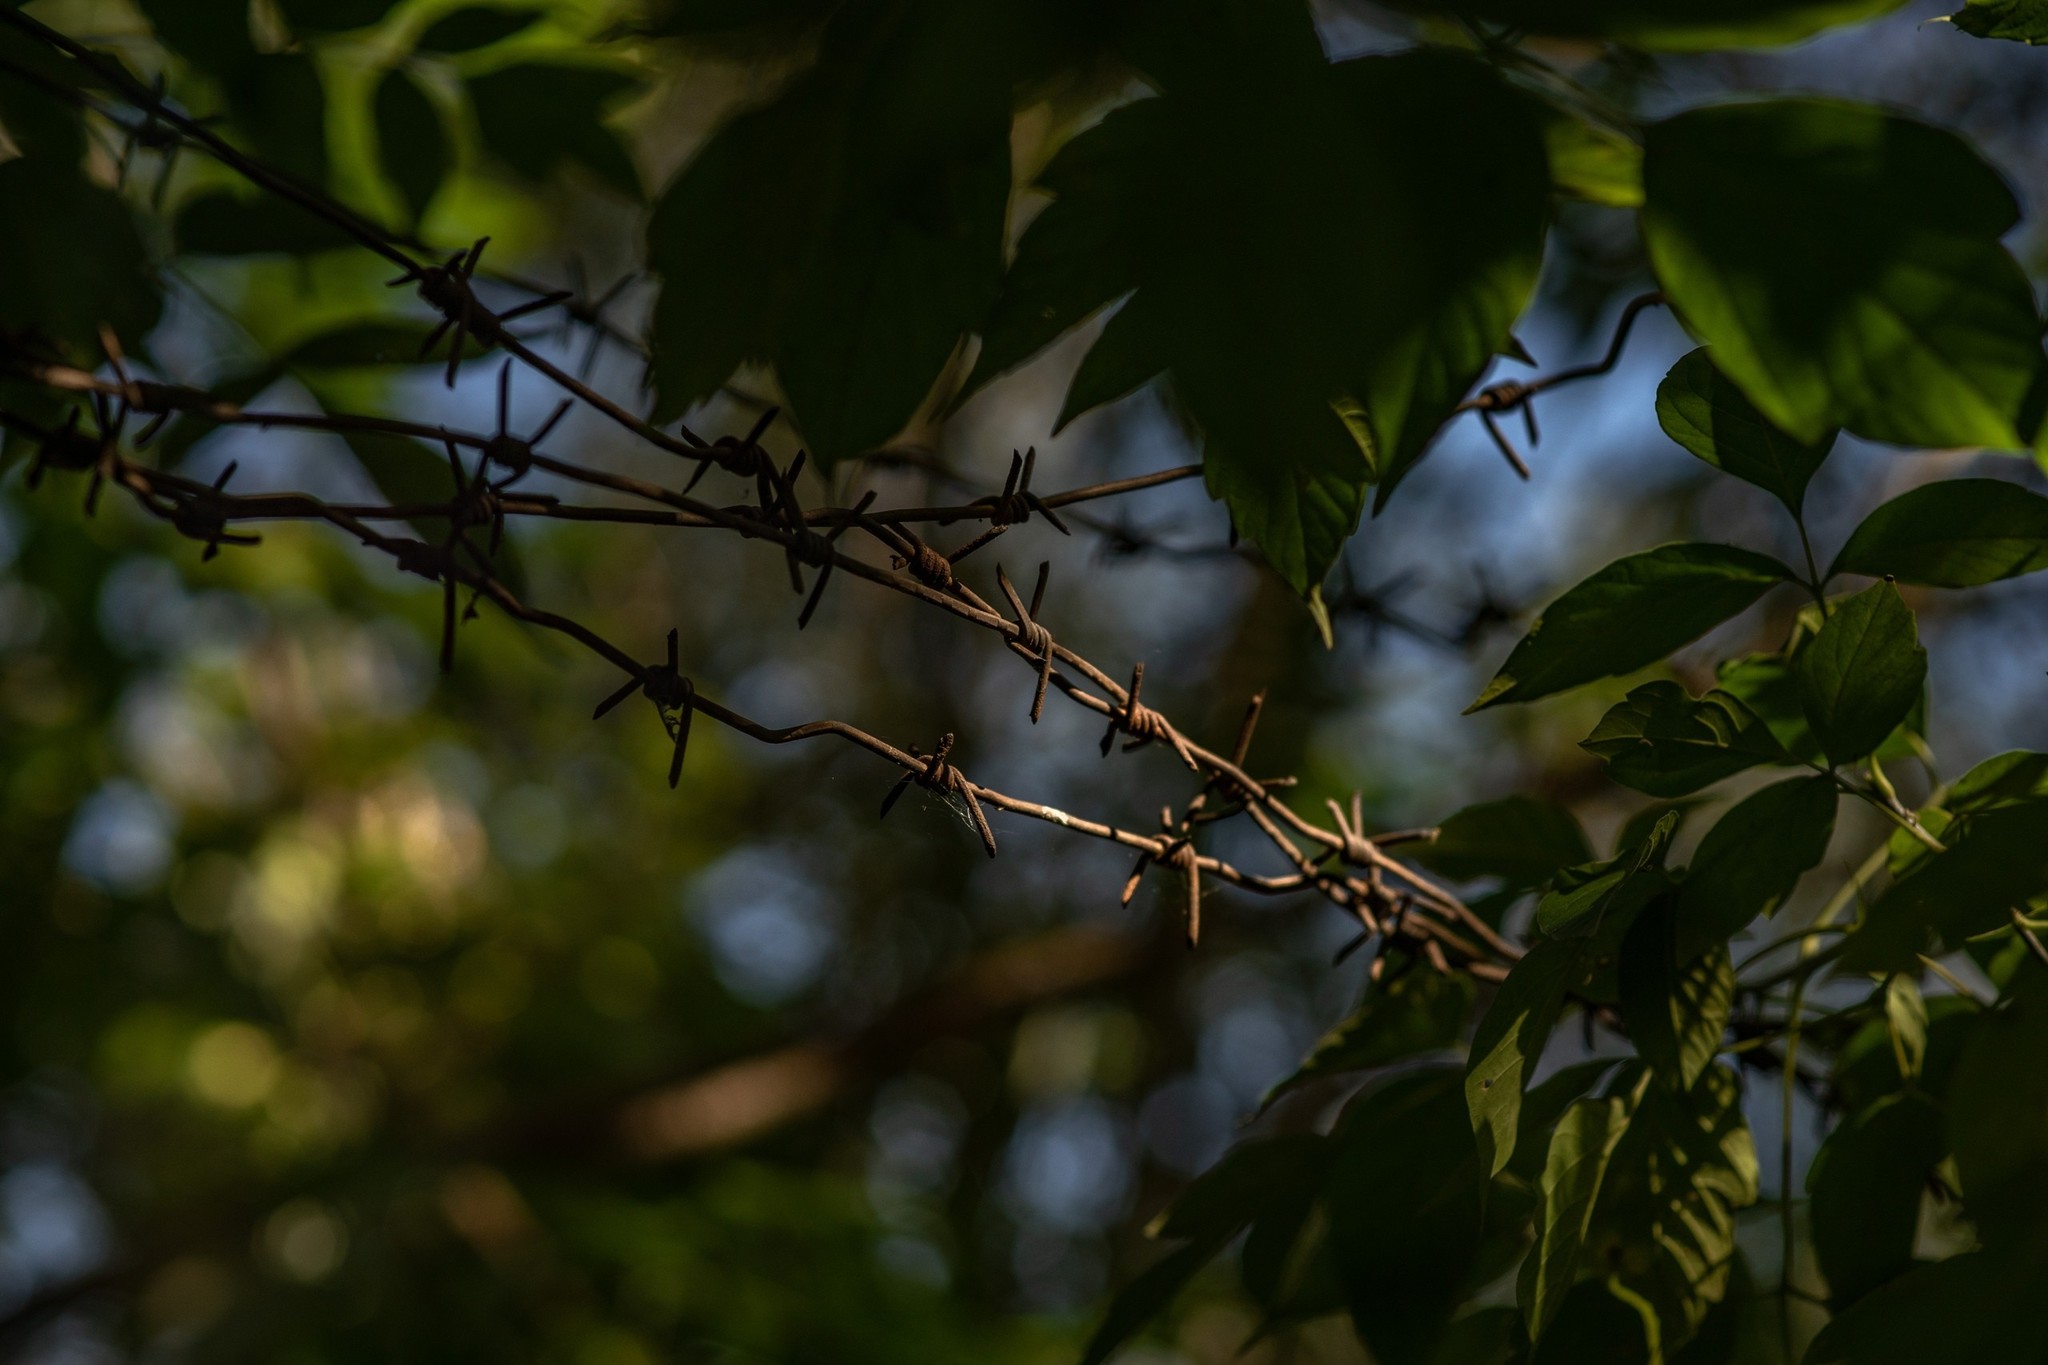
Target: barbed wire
point(1342, 864)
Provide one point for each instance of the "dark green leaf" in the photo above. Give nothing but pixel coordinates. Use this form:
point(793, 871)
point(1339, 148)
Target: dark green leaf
point(334, 16)
point(1974, 1309)
point(1580, 1148)
point(729, 240)
point(1881, 298)
point(1665, 742)
point(2000, 862)
point(1867, 1066)
point(2018, 21)
point(476, 26)
point(1703, 411)
point(1521, 840)
point(211, 34)
point(410, 143)
point(1081, 252)
point(1866, 1183)
point(1629, 615)
point(534, 118)
point(1421, 1011)
point(1957, 533)
point(2002, 780)
point(1753, 857)
point(35, 110)
point(1128, 355)
point(1581, 898)
point(1405, 1243)
point(1145, 1298)
point(281, 107)
point(1676, 1008)
point(72, 264)
point(1225, 1198)
point(1766, 685)
point(1510, 1038)
point(222, 224)
point(1862, 674)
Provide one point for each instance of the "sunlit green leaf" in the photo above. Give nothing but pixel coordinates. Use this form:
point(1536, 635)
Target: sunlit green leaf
point(73, 264)
point(1704, 412)
point(1629, 615)
point(1676, 1008)
point(1580, 1148)
point(1879, 299)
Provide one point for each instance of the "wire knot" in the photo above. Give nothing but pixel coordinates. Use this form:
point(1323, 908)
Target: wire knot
point(928, 567)
point(1175, 849)
point(1032, 636)
point(939, 775)
point(1015, 504)
point(1142, 724)
point(200, 515)
point(673, 695)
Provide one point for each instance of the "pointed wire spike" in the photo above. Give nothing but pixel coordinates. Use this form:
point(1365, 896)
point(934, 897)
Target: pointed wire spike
point(610, 703)
point(896, 793)
point(760, 429)
point(803, 618)
point(703, 468)
point(675, 765)
point(675, 649)
point(555, 417)
point(1038, 593)
point(434, 337)
point(1137, 875)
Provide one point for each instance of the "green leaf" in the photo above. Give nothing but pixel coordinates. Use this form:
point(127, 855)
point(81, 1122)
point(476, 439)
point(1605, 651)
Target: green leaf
point(74, 263)
point(1592, 162)
point(2001, 861)
point(473, 27)
point(1581, 898)
point(211, 34)
point(1420, 1011)
point(1520, 839)
point(37, 110)
point(851, 233)
point(410, 143)
point(1405, 1244)
point(1510, 1038)
point(1661, 740)
point(1702, 410)
point(1861, 675)
point(1753, 857)
point(1082, 251)
point(1957, 533)
point(1998, 1108)
point(1668, 25)
point(1145, 1298)
point(280, 105)
point(1676, 1008)
point(1973, 1309)
point(2002, 780)
point(1128, 355)
point(334, 16)
point(535, 118)
point(729, 239)
point(223, 224)
point(1230, 1194)
point(1881, 298)
point(1866, 1182)
point(2018, 21)
point(1629, 615)
point(1905, 1015)
point(1666, 1217)
point(1580, 1148)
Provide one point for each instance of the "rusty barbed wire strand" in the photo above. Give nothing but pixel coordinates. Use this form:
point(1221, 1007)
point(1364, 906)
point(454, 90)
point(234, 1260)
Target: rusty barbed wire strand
point(203, 512)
